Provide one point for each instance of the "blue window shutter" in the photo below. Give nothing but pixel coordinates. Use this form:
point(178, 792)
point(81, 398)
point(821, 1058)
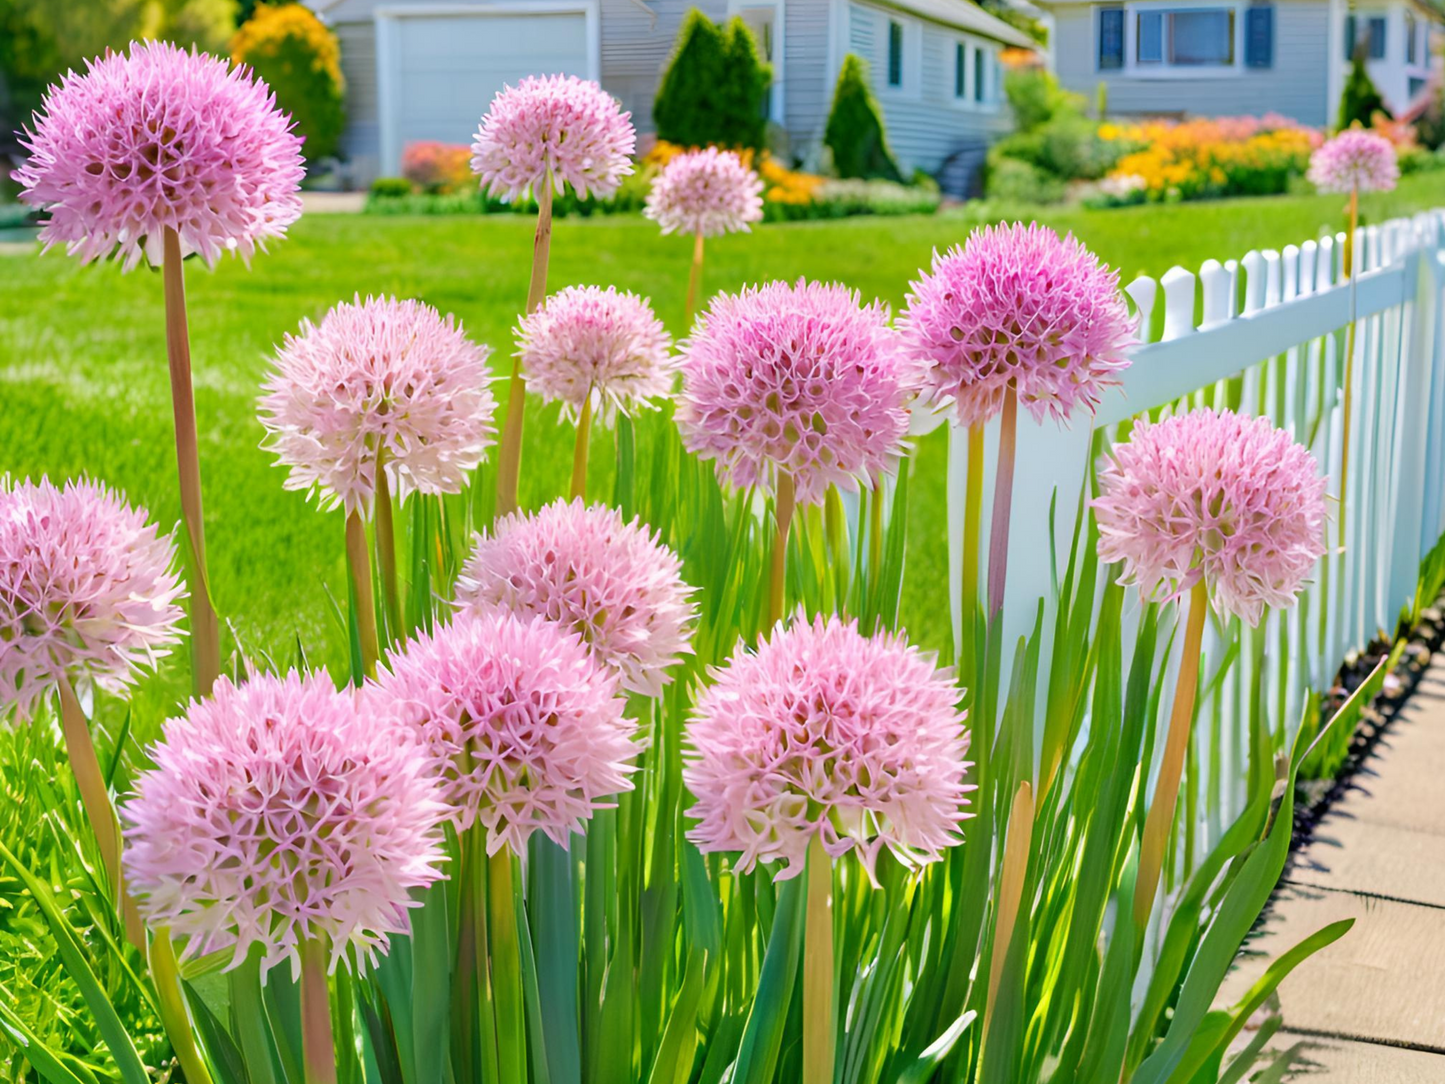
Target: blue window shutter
point(1111, 38)
point(1350, 31)
point(1377, 37)
point(1259, 36)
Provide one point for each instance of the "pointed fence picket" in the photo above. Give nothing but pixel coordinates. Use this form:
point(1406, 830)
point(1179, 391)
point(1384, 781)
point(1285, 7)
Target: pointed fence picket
point(1265, 335)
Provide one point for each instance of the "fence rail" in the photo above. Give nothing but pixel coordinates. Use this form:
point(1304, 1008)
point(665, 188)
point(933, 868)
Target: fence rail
point(1265, 335)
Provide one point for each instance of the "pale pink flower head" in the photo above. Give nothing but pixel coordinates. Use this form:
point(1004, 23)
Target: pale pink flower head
point(803, 379)
point(160, 138)
point(385, 377)
point(614, 584)
point(1018, 308)
point(1355, 160)
point(1220, 496)
point(706, 192)
point(824, 732)
point(558, 128)
point(279, 812)
point(88, 590)
point(589, 343)
point(522, 725)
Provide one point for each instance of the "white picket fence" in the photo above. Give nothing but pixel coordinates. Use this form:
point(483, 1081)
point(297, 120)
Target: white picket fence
point(1278, 320)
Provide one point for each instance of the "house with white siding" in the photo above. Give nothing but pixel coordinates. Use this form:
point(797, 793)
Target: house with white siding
point(428, 69)
point(1238, 57)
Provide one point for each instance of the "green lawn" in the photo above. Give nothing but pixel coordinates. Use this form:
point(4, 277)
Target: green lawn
point(82, 360)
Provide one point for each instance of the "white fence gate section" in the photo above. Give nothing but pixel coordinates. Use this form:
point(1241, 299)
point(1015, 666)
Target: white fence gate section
point(1277, 321)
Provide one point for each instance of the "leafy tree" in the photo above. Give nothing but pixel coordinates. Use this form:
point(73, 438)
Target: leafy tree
point(1360, 100)
point(714, 88)
point(290, 48)
point(855, 132)
point(41, 39)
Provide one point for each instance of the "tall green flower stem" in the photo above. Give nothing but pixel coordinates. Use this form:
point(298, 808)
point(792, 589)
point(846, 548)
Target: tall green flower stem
point(509, 455)
point(1003, 492)
point(1160, 819)
point(694, 279)
point(1010, 888)
point(358, 560)
point(317, 1046)
point(1349, 262)
point(205, 628)
point(99, 811)
point(579, 451)
point(820, 1011)
point(386, 549)
point(783, 508)
point(972, 520)
point(171, 1003)
point(506, 968)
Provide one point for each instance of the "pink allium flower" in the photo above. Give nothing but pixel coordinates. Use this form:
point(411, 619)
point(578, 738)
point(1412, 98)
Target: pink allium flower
point(587, 340)
point(558, 127)
point(88, 590)
point(385, 375)
point(524, 728)
point(613, 584)
point(279, 812)
point(800, 378)
point(708, 192)
point(1225, 497)
point(162, 138)
point(825, 732)
point(1018, 306)
point(1355, 159)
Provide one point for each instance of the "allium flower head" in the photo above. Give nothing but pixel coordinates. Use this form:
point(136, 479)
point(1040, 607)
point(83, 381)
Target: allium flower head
point(553, 126)
point(385, 376)
point(158, 138)
point(88, 590)
point(589, 342)
point(708, 192)
point(613, 584)
point(1227, 498)
point(804, 379)
point(524, 728)
point(824, 732)
point(279, 812)
point(1355, 159)
point(1018, 307)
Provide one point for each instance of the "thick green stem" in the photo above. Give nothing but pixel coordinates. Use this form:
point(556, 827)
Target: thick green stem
point(1160, 819)
point(359, 562)
point(1003, 490)
point(99, 811)
point(506, 969)
point(509, 454)
point(579, 451)
point(820, 1014)
point(171, 1001)
point(694, 279)
point(1017, 845)
point(783, 519)
point(205, 627)
point(317, 1046)
point(386, 551)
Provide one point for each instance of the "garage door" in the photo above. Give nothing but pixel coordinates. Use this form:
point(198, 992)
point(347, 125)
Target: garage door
point(441, 71)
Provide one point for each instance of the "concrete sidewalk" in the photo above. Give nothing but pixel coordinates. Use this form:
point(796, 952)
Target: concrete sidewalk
point(1371, 1007)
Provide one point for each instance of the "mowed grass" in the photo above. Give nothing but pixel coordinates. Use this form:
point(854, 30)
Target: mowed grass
point(83, 378)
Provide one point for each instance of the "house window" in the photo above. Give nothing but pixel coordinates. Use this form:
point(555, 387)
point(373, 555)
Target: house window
point(895, 54)
point(1374, 28)
point(960, 70)
point(1184, 38)
point(1111, 39)
point(1412, 39)
point(980, 75)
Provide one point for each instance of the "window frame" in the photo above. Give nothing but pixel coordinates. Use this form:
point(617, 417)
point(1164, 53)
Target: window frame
point(1163, 69)
point(973, 50)
point(910, 84)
